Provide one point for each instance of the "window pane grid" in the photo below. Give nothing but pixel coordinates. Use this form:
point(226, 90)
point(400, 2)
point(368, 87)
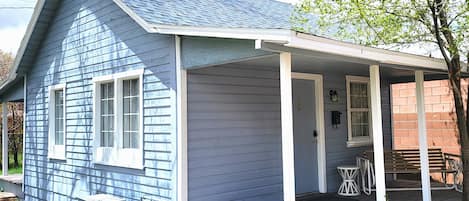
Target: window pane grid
point(359, 109)
point(131, 114)
point(107, 115)
point(358, 95)
point(59, 117)
point(131, 97)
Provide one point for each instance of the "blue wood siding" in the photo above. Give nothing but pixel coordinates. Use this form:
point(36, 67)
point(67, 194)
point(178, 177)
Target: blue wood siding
point(234, 133)
point(337, 152)
point(15, 93)
point(90, 38)
point(201, 52)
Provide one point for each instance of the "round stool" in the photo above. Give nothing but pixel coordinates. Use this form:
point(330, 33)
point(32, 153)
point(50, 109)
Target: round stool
point(349, 186)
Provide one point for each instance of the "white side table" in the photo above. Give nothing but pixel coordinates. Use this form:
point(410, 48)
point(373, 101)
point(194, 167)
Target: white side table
point(349, 186)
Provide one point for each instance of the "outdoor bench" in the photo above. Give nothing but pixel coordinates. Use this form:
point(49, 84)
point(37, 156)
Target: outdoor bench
point(407, 161)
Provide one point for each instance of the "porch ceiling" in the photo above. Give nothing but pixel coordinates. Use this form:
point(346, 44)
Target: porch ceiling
point(311, 64)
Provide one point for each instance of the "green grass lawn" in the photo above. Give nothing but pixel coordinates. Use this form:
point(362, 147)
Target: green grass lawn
point(16, 170)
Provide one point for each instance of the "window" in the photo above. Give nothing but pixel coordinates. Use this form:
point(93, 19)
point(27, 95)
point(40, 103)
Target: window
point(118, 119)
point(131, 114)
point(57, 120)
point(358, 111)
point(107, 115)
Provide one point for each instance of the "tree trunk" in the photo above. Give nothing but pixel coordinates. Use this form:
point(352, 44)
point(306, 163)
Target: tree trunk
point(461, 120)
point(464, 141)
point(15, 158)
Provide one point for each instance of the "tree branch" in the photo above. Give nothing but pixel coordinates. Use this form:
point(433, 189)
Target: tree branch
point(437, 33)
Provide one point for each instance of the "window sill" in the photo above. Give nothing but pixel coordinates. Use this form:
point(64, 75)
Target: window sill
point(124, 158)
point(120, 165)
point(359, 143)
point(57, 158)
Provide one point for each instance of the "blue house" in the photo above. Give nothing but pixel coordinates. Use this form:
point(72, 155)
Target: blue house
point(207, 100)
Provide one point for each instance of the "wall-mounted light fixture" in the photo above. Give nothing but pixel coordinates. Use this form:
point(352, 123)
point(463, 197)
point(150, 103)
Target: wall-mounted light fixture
point(333, 96)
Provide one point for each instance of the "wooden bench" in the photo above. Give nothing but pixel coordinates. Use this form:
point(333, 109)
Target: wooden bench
point(407, 161)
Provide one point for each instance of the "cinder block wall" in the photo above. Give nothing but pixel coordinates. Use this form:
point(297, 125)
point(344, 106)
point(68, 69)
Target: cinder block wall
point(440, 115)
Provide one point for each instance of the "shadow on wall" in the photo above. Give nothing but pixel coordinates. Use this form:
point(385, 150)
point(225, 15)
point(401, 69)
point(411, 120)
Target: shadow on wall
point(88, 39)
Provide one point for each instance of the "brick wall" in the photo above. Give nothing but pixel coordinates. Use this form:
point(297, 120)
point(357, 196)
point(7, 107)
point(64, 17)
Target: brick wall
point(440, 117)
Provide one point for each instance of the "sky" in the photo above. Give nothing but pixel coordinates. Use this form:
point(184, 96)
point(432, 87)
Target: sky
point(14, 19)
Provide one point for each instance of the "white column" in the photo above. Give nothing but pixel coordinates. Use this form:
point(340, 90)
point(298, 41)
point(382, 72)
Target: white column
point(288, 155)
point(4, 139)
point(377, 125)
point(181, 94)
point(425, 170)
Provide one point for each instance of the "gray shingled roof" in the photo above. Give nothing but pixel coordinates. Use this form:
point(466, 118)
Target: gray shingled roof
point(261, 14)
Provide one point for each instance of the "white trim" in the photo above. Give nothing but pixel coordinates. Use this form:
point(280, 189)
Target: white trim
point(423, 146)
point(279, 35)
point(122, 75)
point(5, 137)
point(117, 155)
point(288, 152)
point(181, 79)
point(133, 15)
point(25, 93)
point(357, 141)
point(334, 47)
point(22, 48)
point(377, 125)
point(57, 151)
point(320, 126)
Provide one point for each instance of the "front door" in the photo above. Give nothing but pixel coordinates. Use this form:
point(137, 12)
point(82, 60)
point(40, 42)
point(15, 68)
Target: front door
point(305, 136)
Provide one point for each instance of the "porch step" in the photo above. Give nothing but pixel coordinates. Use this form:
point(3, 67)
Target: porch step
point(6, 196)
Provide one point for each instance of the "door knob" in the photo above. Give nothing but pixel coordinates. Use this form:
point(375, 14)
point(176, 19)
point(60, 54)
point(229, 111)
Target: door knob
point(315, 133)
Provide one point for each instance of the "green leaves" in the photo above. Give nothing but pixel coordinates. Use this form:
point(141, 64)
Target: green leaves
point(385, 22)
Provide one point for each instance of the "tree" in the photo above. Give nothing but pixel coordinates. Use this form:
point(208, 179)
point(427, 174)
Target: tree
point(6, 60)
point(443, 24)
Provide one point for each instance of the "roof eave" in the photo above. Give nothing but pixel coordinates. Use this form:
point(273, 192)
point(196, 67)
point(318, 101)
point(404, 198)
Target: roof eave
point(15, 68)
point(24, 42)
point(380, 56)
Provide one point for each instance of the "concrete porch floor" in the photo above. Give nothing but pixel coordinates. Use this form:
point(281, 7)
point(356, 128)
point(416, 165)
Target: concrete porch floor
point(437, 195)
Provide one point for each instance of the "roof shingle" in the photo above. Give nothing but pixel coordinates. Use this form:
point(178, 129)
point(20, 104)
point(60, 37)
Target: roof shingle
point(256, 14)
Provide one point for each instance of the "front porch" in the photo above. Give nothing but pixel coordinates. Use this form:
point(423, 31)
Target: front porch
point(393, 196)
point(250, 134)
point(13, 106)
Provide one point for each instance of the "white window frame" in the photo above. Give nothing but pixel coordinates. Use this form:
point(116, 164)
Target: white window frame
point(57, 151)
point(117, 155)
point(358, 141)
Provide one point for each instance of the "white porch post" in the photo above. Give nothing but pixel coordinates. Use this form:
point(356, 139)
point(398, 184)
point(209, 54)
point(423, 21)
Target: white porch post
point(181, 95)
point(375, 92)
point(4, 139)
point(425, 170)
point(288, 162)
